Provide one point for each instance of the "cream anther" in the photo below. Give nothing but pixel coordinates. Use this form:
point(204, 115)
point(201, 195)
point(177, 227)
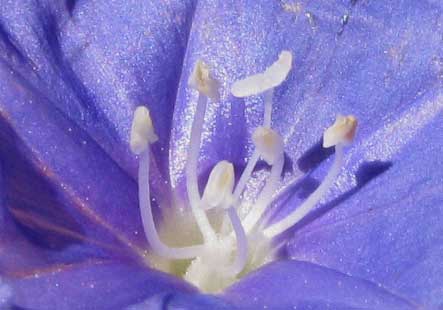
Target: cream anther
point(268, 143)
point(342, 131)
point(272, 77)
point(202, 81)
point(218, 190)
point(142, 131)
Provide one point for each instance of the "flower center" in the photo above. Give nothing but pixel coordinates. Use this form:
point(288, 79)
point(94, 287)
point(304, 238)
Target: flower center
point(234, 246)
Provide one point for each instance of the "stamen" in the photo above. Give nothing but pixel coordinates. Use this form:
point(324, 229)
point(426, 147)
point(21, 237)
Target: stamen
point(218, 193)
point(207, 87)
point(341, 133)
point(144, 131)
point(242, 242)
point(247, 172)
point(202, 81)
point(240, 235)
point(245, 176)
point(241, 184)
point(273, 76)
point(253, 85)
point(265, 197)
point(213, 265)
point(218, 190)
point(268, 143)
point(269, 94)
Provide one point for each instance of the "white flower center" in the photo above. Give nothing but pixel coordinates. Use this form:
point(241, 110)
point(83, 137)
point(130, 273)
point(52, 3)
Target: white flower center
point(233, 246)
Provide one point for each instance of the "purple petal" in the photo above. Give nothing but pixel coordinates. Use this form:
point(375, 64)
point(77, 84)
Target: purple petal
point(5, 294)
point(379, 61)
point(183, 301)
point(90, 285)
point(22, 251)
point(37, 278)
point(370, 59)
point(301, 285)
point(70, 77)
point(17, 253)
point(59, 184)
point(95, 61)
point(58, 178)
point(387, 226)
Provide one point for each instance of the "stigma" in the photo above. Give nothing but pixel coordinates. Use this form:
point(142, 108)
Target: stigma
point(228, 243)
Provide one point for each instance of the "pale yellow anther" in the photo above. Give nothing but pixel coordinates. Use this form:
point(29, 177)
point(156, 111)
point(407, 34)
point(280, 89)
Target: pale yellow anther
point(268, 143)
point(142, 131)
point(341, 132)
point(202, 81)
point(218, 190)
point(273, 76)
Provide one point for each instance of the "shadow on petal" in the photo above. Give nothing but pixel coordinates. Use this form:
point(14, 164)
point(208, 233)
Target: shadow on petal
point(35, 208)
point(70, 5)
point(365, 173)
point(314, 156)
point(179, 300)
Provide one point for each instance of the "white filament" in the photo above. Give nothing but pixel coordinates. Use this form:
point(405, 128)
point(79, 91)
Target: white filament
point(240, 187)
point(191, 171)
point(245, 176)
point(242, 242)
point(247, 172)
point(313, 199)
point(269, 94)
point(148, 221)
point(265, 197)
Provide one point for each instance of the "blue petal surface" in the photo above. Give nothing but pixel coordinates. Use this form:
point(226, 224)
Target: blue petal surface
point(90, 285)
point(181, 300)
point(388, 230)
point(301, 285)
point(5, 294)
point(370, 59)
point(379, 61)
point(57, 181)
point(96, 60)
point(36, 277)
point(71, 74)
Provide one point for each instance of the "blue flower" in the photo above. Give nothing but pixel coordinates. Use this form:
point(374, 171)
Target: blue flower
point(72, 74)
